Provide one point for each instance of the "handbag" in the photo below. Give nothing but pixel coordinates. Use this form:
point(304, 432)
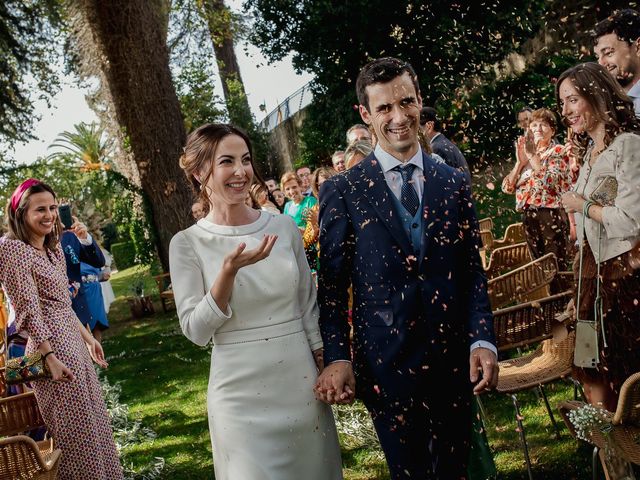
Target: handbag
point(605, 192)
point(26, 369)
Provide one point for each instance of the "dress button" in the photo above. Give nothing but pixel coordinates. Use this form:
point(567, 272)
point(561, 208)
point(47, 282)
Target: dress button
point(415, 225)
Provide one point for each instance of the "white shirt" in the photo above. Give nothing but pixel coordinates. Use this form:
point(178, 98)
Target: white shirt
point(394, 180)
point(634, 93)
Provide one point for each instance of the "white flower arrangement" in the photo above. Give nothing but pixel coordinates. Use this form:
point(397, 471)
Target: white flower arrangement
point(588, 418)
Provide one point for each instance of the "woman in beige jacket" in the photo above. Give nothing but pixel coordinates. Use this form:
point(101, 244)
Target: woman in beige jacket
point(606, 202)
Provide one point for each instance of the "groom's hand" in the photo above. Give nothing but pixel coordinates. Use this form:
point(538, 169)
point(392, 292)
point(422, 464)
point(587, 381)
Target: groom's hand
point(336, 384)
point(483, 361)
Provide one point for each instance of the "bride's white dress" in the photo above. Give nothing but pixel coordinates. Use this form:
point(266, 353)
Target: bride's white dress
point(263, 418)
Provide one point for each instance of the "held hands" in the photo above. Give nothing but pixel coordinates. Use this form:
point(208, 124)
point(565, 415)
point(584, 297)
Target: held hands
point(336, 384)
point(483, 360)
point(239, 258)
point(59, 371)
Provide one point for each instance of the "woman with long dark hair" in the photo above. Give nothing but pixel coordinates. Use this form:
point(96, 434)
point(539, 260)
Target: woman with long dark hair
point(34, 274)
point(606, 203)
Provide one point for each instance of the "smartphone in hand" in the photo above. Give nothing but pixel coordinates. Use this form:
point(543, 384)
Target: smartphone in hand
point(64, 211)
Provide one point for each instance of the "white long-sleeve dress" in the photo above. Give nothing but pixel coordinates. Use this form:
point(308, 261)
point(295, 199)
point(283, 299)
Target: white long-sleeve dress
point(263, 418)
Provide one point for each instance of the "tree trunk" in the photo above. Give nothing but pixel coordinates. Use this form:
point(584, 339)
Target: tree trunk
point(130, 36)
point(221, 29)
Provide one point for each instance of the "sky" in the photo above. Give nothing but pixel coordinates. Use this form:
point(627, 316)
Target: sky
point(268, 84)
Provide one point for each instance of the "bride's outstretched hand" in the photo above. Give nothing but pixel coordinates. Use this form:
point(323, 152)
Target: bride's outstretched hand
point(239, 258)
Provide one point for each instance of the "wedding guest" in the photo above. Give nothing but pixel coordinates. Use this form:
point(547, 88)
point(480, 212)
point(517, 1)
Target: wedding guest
point(542, 174)
point(337, 160)
point(312, 230)
point(356, 152)
point(260, 194)
point(606, 131)
point(198, 211)
point(279, 199)
point(299, 205)
point(34, 273)
point(240, 278)
point(95, 301)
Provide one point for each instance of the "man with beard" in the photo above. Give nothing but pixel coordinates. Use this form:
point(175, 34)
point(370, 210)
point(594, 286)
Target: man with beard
point(401, 229)
point(617, 48)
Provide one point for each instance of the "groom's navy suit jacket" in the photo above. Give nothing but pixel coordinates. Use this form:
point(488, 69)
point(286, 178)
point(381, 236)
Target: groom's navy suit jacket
point(416, 311)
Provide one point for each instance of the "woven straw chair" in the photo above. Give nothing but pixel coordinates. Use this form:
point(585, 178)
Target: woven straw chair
point(486, 224)
point(526, 283)
point(527, 323)
point(19, 414)
point(549, 362)
point(513, 234)
point(507, 258)
point(625, 434)
point(21, 457)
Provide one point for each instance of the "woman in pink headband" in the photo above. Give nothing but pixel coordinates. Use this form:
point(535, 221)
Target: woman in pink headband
point(34, 274)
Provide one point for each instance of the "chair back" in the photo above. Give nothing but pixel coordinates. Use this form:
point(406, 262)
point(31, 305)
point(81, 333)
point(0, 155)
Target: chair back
point(162, 281)
point(20, 457)
point(486, 224)
point(513, 234)
point(628, 411)
point(528, 323)
point(507, 258)
point(526, 283)
point(19, 413)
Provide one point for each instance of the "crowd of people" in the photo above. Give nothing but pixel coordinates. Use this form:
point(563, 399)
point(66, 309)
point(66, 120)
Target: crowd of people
point(398, 314)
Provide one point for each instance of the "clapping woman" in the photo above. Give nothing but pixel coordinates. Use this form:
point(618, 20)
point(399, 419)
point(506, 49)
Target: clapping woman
point(606, 203)
point(241, 280)
point(34, 274)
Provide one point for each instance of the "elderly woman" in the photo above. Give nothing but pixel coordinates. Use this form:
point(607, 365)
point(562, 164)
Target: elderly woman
point(606, 202)
point(543, 172)
point(356, 152)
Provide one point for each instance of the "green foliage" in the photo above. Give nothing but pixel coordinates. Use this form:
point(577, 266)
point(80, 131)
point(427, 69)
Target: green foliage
point(198, 101)
point(31, 48)
point(449, 44)
point(130, 215)
point(87, 146)
point(124, 255)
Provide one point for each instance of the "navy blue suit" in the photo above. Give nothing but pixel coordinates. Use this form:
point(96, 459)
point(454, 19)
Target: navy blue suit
point(74, 253)
point(451, 154)
point(416, 311)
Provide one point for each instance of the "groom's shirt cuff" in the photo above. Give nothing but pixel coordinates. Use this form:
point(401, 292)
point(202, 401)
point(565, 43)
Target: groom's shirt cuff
point(483, 344)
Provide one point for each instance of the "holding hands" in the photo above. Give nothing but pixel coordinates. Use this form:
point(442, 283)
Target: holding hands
point(336, 384)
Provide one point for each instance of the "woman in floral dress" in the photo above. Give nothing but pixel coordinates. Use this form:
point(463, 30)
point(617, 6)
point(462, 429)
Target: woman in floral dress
point(33, 273)
point(543, 174)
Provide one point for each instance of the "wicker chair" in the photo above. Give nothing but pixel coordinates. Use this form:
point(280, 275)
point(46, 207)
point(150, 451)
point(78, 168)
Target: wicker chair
point(507, 258)
point(549, 362)
point(625, 433)
point(526, 283)
point(527, 323)
point(486, 224)
point(513, 234)
point(21, 457)
point(19, 414)
point(164, 288)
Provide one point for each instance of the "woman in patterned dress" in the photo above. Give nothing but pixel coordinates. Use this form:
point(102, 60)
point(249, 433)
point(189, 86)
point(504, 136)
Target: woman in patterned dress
point(545, 174)
point(33, 272)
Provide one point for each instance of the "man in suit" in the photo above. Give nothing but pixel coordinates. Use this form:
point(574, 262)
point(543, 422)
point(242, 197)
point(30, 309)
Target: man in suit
point(441, 145)
point(401, 229)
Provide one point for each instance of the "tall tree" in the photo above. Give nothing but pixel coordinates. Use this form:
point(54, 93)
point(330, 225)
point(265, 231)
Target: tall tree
point(223, 28)
point(30, 47)
point(127, 41)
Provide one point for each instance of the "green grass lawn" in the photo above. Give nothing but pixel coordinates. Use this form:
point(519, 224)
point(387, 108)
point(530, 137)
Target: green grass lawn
point(164, 380)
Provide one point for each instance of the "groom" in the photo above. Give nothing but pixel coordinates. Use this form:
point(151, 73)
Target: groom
point(401, 229)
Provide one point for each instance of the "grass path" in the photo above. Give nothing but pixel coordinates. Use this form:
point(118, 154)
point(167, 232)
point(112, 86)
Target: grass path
point(164, 381)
